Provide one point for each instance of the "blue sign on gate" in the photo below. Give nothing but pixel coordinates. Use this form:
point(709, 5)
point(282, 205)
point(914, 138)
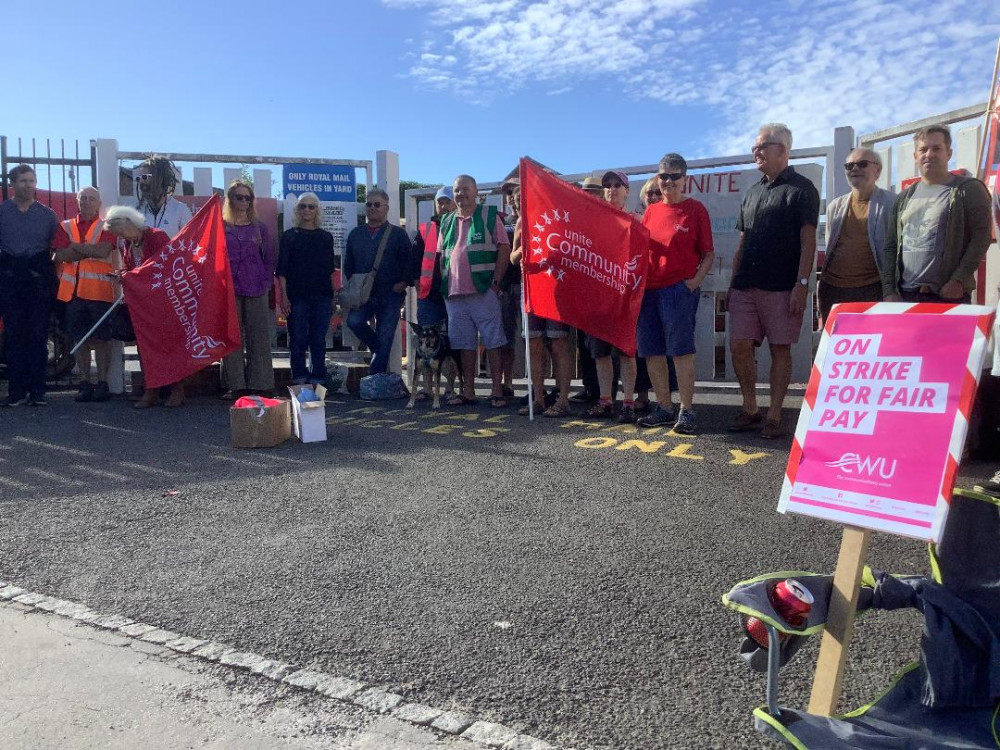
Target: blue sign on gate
point(329, 182)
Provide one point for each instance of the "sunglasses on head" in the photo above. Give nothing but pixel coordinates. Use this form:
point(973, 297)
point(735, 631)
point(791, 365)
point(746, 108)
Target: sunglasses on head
point(671, 176)
point(242, 197)
point(373, 204)
point(860, 164)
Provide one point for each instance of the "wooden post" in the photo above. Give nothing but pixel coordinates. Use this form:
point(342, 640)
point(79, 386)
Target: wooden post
point(840, 622)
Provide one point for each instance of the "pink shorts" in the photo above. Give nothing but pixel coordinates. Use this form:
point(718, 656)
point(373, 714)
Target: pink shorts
point(755, 314)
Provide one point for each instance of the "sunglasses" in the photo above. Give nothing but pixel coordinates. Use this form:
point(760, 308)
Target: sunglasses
point(860, 164)
point(374, 204)
point(145, 177)
point(671, 176)
point(761, 146)
point(613, 185)
point(307, 206)
point(242, 198)
point(651, 193)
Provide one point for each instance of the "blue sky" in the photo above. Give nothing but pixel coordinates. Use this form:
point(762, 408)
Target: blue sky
point(469, 86)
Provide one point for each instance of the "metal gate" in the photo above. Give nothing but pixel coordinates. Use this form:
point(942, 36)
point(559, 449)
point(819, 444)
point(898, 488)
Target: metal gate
point(62, 172)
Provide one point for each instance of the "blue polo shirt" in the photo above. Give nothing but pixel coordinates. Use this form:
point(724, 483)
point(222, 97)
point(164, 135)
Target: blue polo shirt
point(24, 234)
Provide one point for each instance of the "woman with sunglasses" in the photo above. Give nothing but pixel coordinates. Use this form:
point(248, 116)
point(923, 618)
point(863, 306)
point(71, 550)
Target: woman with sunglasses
point(251, 262)
point(616, 190)
point(650, 193)
point(306, 262)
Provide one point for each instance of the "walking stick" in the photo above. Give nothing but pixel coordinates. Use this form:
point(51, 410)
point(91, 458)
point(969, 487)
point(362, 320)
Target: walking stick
point(104, 317)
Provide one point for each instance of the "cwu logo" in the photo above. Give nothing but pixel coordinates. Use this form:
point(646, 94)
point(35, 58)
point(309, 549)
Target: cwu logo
point(853, 463)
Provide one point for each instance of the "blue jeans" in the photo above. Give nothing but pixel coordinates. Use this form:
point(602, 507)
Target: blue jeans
point(308, 322)
point(385, 309)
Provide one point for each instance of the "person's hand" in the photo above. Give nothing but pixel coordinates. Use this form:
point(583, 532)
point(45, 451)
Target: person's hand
point(892, 298)
point(691, 284)
point(399, 287)
point(952, 290)
point(286, 308)
point(515, 257)
point(797, 302)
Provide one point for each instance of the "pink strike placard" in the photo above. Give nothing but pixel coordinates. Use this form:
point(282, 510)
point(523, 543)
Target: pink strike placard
point(881, 431)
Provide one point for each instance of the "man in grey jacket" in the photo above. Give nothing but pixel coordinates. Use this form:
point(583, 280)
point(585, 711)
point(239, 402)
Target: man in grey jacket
point(939, 231)
point(856, 231)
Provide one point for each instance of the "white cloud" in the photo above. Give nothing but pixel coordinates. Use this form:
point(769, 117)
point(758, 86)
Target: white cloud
point(814, 65)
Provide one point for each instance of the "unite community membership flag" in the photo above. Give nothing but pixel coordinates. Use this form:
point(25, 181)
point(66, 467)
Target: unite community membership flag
point(584, 260)
point(181, 301)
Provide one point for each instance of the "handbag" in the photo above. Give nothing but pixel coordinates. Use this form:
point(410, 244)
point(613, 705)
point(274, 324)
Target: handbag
point(358, 288)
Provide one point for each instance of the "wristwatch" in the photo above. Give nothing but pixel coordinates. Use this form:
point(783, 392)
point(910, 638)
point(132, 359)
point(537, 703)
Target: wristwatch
point(804, 282)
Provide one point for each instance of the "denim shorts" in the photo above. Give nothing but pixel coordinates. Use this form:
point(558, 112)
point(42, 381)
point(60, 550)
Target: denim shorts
point(666, 321)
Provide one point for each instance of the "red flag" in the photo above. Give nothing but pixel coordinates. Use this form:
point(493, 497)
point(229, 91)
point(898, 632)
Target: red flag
point(181, 301)
point(584, 260)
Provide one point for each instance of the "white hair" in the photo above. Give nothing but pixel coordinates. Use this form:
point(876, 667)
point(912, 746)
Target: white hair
point(779, 131)
point(85, 188)
point(125, 213)
point(297, 216)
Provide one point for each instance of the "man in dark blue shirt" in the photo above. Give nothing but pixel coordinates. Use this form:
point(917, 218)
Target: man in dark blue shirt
point(27, 287)
point(391, 279)
point(770, 279)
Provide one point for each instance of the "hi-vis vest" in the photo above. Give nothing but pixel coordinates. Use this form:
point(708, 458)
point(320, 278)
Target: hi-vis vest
point(90, 278)
point(480, 250)
point(429, 232)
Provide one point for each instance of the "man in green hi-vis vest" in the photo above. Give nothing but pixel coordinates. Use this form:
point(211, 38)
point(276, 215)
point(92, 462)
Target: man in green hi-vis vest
point(475, 253)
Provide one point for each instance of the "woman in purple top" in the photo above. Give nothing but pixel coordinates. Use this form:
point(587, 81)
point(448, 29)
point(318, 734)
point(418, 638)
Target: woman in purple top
point(251, 261)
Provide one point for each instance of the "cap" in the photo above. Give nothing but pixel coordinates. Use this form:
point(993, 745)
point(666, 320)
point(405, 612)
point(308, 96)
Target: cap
point(621, 176)
point(444, 192)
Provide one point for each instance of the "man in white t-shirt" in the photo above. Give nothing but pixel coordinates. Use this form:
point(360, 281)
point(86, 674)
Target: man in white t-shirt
point(155, 183)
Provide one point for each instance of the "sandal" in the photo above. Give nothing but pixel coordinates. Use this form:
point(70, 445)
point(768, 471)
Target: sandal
point(557, 411)
point(498, 402)
point(461, 400)
point(539, 409)
point(605, 411)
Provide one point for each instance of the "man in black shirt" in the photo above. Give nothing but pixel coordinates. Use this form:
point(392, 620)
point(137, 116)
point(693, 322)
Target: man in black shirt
point(771, 270)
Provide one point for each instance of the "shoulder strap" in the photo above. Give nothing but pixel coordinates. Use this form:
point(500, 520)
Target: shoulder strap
point(381, 248)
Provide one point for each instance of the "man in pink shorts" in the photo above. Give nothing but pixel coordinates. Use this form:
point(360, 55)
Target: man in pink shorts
point(770, 279)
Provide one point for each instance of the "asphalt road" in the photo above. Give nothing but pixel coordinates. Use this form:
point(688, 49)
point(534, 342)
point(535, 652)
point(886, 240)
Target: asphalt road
point(553, 576)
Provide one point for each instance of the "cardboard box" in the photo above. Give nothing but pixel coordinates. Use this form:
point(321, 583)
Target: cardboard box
point(261, 427)
point(309, 419)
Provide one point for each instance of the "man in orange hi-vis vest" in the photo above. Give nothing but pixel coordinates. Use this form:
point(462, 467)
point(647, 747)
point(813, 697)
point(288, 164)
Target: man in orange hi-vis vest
point(88, 285)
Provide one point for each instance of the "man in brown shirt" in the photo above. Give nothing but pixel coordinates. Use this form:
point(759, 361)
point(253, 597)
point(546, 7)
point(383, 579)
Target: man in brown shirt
point(856, 231)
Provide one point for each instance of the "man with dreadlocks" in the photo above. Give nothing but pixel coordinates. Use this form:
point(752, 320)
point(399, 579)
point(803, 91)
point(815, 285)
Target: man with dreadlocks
point(155, 182)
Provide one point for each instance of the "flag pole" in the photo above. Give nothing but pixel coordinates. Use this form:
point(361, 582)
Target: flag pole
point(991, 104)
point(104, 317)
point(527, 352)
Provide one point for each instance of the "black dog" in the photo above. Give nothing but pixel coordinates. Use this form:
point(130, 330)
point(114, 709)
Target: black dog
point(434, 357)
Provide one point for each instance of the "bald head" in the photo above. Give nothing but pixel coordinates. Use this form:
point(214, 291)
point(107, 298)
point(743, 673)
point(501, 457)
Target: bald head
point(466, 194)
point(89, 200)
point(863, 168)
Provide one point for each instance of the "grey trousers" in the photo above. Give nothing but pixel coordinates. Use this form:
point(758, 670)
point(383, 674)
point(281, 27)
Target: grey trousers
point(250, 366)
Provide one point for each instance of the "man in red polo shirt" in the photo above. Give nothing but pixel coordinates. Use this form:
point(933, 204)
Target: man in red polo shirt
point(680, 256)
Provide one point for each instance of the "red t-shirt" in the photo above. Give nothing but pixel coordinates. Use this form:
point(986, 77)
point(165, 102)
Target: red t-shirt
point(680, 235)
point(62, 240)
